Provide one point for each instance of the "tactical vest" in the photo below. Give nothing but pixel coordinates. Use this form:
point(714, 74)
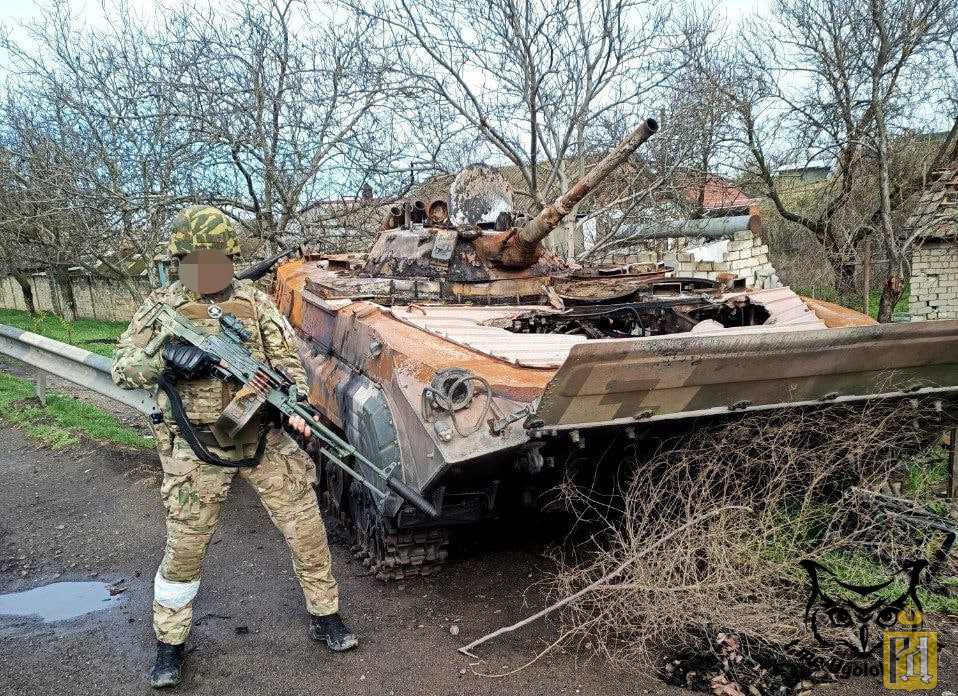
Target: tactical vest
point(205, 399)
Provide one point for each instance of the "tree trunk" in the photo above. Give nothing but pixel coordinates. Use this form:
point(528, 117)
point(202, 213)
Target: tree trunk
point(23, 280)
point(890, 294)
point(131, 287)
point(61, 290)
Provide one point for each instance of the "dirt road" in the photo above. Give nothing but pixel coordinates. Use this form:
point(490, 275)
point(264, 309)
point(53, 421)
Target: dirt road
point(94, 514)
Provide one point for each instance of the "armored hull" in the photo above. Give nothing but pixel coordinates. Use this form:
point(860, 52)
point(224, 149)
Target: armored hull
point(465, 353)
point(482, 406)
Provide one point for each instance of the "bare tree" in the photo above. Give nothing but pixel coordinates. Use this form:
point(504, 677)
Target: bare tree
point(535, 80)
point(670, 177)
point(288, 105)
point(840, 81)
point(98, 156)
point(108, 131)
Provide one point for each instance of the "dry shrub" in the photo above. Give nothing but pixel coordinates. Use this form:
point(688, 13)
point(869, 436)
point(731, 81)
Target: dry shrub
point(799, 471)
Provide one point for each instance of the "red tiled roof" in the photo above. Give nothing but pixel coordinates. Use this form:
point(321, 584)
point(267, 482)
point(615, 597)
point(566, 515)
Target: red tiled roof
point(720, 193)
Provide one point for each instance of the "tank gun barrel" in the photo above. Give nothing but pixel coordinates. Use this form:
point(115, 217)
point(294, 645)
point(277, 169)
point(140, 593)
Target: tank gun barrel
point(539, 227)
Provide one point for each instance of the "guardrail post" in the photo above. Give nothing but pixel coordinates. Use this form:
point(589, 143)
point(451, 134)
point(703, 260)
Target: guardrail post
point(50, 357)
point(42, 387)
point(953, 464)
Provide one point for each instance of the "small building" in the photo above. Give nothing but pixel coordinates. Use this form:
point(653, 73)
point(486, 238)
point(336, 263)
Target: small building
point(934, 260)
point(805, 172)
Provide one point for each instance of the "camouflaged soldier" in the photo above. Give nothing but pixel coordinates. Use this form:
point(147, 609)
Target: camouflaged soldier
point(203, 239)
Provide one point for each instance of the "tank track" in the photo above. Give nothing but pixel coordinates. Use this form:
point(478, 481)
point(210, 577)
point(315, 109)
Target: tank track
point(386, 551)
point(403, 554)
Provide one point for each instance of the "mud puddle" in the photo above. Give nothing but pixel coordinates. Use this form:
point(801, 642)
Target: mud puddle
point(58, 601)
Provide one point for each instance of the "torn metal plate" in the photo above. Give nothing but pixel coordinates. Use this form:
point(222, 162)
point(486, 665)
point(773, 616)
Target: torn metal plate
point(478, 195)
point(686, 375)
point(444, 245)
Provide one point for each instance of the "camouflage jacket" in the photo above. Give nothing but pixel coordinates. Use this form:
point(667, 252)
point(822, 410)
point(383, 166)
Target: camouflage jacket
point(204, 399)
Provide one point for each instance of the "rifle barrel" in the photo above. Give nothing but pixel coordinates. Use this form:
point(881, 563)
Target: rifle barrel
point(257, 271)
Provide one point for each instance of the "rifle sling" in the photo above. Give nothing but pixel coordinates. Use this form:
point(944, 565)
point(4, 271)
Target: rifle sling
point(167, 382)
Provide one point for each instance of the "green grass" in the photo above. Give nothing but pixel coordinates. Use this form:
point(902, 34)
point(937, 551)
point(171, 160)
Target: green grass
point(12, 390)
point(53, 437)
point(91, 334)
point(63, 420)
point(858, 569)
point(804, 534)
point(827, 294)
point(861, 570)
point(925, 480)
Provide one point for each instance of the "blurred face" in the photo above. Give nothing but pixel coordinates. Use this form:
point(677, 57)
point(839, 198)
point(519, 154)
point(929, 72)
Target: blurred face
point(206, 271)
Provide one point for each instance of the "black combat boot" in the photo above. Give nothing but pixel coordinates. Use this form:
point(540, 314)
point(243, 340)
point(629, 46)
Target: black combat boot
point(168, 669)
point(332, 629)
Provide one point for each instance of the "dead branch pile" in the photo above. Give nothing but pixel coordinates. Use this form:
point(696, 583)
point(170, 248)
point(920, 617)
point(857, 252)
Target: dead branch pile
point(801, 473)
point(721, 663)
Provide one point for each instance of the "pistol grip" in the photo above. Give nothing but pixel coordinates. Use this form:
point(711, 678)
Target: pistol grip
point(156, 342)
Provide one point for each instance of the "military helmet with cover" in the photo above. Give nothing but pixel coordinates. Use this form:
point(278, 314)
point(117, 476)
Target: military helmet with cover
point(202, 227)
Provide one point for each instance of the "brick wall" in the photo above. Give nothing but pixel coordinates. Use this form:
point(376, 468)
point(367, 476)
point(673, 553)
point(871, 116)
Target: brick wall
point(743, 255)
point(934, 280)
point(96, 298)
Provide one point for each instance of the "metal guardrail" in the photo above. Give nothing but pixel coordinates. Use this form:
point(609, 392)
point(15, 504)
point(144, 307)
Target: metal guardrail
point(75, 364)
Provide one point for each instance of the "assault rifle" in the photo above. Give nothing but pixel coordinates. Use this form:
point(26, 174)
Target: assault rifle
point(268, 385)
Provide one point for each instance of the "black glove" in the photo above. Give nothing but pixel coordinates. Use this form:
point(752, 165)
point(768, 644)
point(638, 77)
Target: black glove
point(188, 360)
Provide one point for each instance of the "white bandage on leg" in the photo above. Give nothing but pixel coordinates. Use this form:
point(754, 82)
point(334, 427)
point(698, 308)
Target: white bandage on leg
point(173, 595)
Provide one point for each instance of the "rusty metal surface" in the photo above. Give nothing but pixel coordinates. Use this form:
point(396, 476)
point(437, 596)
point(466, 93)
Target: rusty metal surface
point(835, 316)
point(437, 210)
point(784, 307)
point(540, 226)
point(344, 331)
point(621, 381)
point(470, 326)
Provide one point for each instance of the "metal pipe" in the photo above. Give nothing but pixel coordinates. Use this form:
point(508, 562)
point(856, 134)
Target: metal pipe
point(418, 212)
point(395, 216)
point(437, 211)
point(712, 228)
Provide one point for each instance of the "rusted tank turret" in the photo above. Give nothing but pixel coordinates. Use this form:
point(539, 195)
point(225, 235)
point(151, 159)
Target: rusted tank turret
point(475, 245)
point(520, 248)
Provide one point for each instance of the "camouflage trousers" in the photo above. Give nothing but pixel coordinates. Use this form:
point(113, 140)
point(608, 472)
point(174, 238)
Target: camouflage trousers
point(192, 494)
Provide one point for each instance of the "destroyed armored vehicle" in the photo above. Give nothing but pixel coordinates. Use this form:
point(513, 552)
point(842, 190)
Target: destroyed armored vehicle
point(466, 353)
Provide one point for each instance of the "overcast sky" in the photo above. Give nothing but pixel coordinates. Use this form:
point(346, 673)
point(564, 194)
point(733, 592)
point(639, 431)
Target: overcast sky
point(25, 9)
point(13, 12)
